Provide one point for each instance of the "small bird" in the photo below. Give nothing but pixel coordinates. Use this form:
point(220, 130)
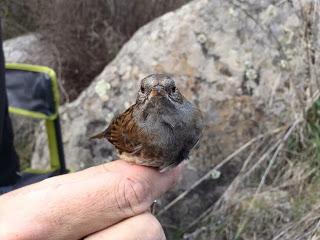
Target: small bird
point(160, 129)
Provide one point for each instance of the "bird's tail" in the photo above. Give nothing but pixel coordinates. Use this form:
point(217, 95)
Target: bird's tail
point(99, 135)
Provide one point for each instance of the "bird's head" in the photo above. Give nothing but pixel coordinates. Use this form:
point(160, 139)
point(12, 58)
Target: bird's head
point(158, 86)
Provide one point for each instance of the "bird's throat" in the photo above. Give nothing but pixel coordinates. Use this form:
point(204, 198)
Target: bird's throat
point(156, 107)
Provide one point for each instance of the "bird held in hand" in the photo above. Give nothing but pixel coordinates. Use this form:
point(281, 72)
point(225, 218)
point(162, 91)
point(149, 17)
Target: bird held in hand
point(160, 129)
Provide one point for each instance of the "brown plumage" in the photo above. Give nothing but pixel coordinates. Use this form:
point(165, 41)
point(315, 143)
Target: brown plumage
point(160, 129)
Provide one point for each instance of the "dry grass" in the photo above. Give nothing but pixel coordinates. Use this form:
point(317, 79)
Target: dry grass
point(16, 18)
point(275, 195)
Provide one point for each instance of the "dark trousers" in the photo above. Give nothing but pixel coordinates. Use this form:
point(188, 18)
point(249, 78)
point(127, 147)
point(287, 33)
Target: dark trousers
point(9, 162)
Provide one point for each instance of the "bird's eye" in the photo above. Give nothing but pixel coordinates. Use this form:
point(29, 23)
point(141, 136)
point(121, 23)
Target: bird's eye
point(142, 89)
point(173, 89)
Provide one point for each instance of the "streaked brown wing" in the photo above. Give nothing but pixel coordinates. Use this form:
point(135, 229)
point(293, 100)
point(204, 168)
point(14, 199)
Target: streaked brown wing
point(124, 133)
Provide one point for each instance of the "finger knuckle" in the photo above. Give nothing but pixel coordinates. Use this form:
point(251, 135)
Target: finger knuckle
point(133, 195)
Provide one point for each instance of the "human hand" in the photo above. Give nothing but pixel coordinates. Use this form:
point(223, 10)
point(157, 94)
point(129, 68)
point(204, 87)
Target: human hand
point(109, 201)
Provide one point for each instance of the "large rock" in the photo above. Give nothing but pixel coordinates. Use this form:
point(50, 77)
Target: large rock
point(245, 74)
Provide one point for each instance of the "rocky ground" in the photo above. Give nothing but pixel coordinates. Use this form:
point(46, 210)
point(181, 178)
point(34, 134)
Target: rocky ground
point(251, 68)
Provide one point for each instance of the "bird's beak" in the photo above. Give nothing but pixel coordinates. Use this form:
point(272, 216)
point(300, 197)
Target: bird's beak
point(157, 91)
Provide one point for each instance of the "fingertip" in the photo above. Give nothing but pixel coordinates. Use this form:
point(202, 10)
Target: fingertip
point(179, 169)
point(176, 172)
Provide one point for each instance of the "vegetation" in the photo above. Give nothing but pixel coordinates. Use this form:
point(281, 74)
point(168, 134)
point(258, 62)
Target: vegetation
point(280, 202)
